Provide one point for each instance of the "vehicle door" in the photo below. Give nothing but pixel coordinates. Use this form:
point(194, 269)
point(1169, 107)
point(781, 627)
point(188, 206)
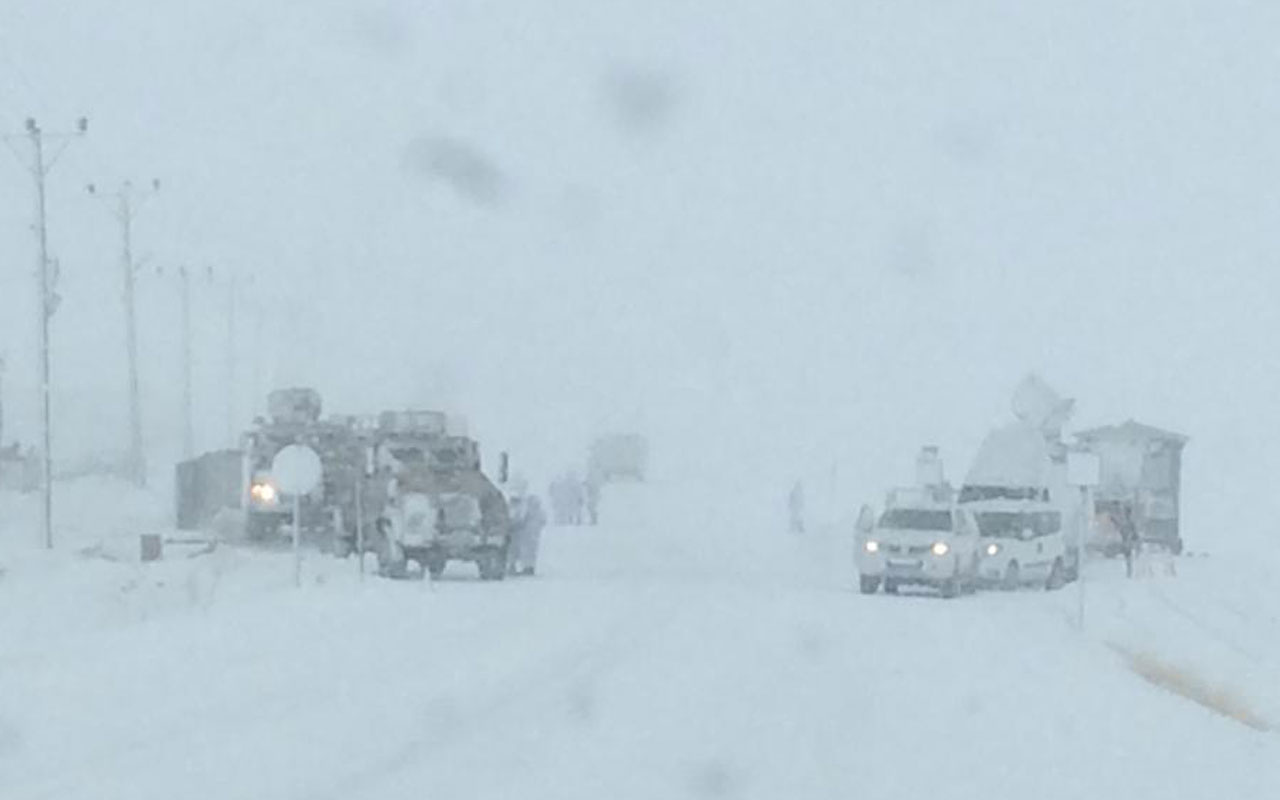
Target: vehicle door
point(1042, 533)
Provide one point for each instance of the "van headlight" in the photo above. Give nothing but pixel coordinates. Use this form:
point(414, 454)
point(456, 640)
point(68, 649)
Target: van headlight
point(264, 493)
point(993, 549)
point(872, 546)
point(940, 548)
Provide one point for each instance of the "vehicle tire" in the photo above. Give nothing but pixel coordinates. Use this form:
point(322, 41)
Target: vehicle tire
point(1176, 547)
point(869, 584)
point(1057, 577)
point(493, 565)
point(890, 587)
point(1012, 577)
point(391, 559)
point(950, 587)
point(261, 528)
point(435, 566)
point(343, 547)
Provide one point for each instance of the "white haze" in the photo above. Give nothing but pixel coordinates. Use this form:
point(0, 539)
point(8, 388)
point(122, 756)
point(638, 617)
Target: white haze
point(775, 235)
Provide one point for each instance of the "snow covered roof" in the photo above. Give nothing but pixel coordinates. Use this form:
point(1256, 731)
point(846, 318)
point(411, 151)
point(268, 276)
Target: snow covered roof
point(1130, 431)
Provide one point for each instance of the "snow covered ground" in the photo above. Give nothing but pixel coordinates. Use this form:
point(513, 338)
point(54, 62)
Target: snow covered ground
point(661, 655)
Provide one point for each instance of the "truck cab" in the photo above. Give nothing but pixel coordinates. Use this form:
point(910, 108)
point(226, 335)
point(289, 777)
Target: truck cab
point(920, 544)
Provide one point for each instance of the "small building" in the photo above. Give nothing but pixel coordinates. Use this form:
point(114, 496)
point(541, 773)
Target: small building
point(1141, 475)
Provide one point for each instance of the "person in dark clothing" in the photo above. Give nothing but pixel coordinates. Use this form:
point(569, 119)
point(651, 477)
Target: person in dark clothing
point(795, 508)
point(1130, 542)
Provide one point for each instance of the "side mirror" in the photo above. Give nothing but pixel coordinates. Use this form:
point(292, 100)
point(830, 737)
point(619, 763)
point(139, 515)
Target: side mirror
point(504, 468)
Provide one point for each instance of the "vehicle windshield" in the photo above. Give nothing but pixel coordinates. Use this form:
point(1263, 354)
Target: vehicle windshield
point(1011, 524)
point(916, 519)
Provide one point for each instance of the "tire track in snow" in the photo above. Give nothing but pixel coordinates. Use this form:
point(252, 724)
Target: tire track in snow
point(547, 684)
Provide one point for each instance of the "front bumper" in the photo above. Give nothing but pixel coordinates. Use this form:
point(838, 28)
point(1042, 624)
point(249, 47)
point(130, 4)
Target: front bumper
point(460, 544)
point(926, 568)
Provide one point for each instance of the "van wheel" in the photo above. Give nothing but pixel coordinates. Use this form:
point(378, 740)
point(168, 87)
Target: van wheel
point(1012, 577)
point(869, 584)
point(951, 587)
point(890, 587)
point(1057, 577)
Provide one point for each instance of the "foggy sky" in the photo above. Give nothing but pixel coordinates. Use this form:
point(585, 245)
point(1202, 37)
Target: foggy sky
point(776, 235)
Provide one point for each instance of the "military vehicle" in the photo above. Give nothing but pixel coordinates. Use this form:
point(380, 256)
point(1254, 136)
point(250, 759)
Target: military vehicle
point(341, 443)
point(399, 439)
point(441, 507)
point(618, 457)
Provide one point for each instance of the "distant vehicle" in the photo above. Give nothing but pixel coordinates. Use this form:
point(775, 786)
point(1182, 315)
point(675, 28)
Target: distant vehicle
point(1023, 543)
point(1141, 478)
point(399, 439)
point(443, 508)
point(1026, 513)
point(919, 543)
point(618, 457)
point(295, 419)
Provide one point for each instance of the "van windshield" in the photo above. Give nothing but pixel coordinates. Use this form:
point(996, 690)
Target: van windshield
point(916, 519)
point(1010, 524)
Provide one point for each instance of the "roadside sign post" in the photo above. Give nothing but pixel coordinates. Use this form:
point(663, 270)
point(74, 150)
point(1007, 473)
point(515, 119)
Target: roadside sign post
point(1084, 471)
point(366, 471)
point(360, 524)
point(297, 471)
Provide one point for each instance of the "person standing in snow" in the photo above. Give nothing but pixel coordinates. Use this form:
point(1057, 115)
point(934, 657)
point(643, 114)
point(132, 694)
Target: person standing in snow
point(795, 507)
point(1129, 540)
point(527, 521)
point(591, 492)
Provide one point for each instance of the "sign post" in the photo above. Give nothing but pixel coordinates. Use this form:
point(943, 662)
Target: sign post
point(1084, 471)
point(297, 471)
point(366, 472)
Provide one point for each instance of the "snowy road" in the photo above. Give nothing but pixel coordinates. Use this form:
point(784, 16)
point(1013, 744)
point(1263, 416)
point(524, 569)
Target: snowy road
point(648, 661)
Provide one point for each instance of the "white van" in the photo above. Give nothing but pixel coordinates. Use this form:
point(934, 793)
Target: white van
point(1023, 542)
point(934, 546)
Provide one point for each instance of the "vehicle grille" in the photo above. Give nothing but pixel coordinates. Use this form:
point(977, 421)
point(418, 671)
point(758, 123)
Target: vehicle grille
point(911, 550)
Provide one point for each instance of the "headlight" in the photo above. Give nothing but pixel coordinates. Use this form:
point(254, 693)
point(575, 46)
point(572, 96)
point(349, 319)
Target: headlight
point(263, 493)
point(872, 546)
point(941, 549)
point(992, 549)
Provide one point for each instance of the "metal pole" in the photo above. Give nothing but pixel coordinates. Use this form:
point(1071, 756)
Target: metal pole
point(47, 305)
point(297, 539)
point(1080, 543)
point(46, 460)
point(360, 522)
point(137, 455)
point(231, 362)
point(124, 211)
point(188, 432)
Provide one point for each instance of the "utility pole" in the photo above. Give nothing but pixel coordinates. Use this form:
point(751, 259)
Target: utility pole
point(126, 207)
point(232, 371)
point(2, 365)
point(47, 301)
point(188, 431)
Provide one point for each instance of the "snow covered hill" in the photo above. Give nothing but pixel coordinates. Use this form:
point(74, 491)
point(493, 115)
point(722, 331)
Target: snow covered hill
point(697, 654)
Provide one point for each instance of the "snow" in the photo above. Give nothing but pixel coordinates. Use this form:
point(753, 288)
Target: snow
point(690, 654)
